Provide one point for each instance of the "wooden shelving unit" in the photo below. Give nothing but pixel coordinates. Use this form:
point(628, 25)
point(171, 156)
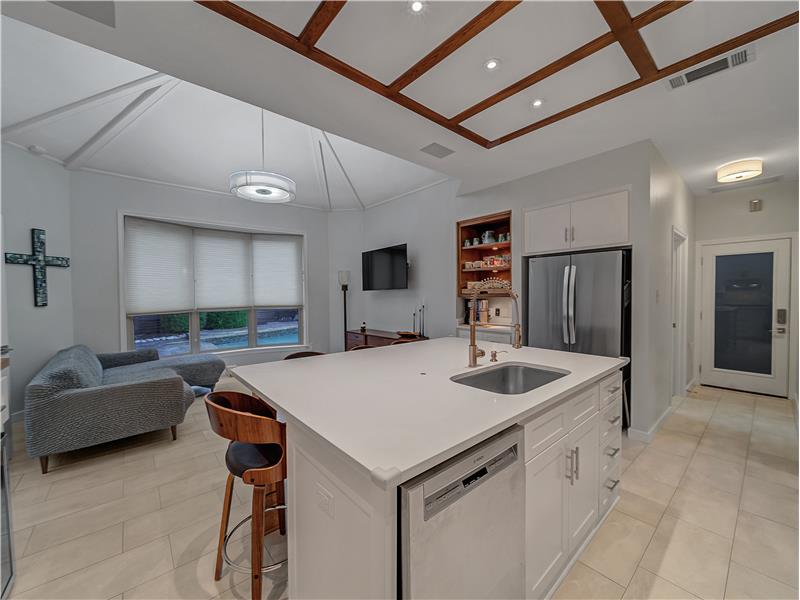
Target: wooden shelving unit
point(499, 223)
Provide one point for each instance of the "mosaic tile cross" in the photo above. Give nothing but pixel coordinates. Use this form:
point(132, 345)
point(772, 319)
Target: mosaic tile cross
point(39, 261)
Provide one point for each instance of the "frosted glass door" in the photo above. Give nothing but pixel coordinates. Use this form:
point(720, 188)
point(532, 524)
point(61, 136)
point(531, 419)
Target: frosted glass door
point(745, 316)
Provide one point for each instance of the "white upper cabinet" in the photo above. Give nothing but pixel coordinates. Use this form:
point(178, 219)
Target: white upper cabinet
point(600, 221)
point(547, 229)
point(590, 223)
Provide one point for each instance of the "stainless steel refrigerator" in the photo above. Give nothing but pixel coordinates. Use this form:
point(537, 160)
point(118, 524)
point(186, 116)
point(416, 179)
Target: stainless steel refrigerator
point(581, 303)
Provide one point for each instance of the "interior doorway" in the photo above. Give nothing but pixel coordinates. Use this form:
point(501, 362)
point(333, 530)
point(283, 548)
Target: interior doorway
point(680, 299)
point(745, 315)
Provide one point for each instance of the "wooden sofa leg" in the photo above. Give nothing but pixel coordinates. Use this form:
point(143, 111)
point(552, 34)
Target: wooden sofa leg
point(174, 429)
point(43, 463)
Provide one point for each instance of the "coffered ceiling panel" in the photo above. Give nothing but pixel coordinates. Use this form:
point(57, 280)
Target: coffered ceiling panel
point(700, 25)
point(637, 7)
point(291, 16)
point(384, 39)
point(529, 37)
point(48, 74)
point(600, 72)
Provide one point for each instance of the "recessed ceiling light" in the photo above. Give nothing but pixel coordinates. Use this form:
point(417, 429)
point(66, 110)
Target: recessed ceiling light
point(537, 103)
point(416, 6)
point(492, 64)
point(739, 170)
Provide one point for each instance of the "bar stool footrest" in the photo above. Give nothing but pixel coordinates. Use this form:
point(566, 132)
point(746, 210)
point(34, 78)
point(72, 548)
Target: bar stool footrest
point(239, 568)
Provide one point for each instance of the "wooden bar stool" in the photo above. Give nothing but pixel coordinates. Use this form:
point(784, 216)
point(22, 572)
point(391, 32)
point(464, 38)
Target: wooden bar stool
point(256, 454)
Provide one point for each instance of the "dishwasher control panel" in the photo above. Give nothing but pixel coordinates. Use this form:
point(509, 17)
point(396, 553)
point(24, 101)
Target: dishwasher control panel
point(437, 501)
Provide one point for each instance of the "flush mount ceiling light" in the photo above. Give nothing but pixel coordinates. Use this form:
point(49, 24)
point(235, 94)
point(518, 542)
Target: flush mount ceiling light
point(416, 6)
point(537, 103)
point(739, 170)
point(262, 186)
point(492, 64)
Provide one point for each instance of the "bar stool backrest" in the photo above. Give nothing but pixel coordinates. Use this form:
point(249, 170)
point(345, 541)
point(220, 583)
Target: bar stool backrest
point(303, 354)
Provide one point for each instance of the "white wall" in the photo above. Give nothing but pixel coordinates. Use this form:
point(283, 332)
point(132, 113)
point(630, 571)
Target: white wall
point(726, 215)
point(96, 204)
point(35, 194)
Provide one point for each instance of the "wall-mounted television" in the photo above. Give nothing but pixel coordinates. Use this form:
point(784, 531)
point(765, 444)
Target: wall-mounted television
point(385, 269)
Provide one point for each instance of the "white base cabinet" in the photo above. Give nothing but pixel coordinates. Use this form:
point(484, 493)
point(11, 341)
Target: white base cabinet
point(569, 483)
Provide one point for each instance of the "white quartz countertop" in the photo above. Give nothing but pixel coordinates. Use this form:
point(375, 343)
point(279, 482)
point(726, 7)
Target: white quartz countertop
point(394, 411)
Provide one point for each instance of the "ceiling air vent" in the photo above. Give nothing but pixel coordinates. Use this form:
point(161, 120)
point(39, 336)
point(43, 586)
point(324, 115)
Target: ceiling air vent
point(739, 57)
point(437, 150)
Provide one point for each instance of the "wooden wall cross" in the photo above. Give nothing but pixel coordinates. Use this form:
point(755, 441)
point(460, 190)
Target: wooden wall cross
point(39, 261)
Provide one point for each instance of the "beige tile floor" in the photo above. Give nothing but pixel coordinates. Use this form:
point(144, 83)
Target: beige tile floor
point(708, 510)
point(137, 518)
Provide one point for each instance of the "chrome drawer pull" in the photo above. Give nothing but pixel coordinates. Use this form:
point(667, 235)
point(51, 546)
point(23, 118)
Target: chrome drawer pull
point(613, 390)
point(614, 483)
point(612, 452)
point(571, 473)
point(615, 420)
point(577, 463)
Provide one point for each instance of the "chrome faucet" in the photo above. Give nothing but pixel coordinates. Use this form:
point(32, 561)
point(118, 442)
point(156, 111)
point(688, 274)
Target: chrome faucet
point(517, 344)
point(474, 352)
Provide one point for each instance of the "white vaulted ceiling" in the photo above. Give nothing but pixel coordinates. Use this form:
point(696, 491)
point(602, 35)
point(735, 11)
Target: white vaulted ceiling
point(190, 136)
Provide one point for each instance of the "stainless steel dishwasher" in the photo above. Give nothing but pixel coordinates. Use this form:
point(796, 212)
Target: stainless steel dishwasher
point(462, 524)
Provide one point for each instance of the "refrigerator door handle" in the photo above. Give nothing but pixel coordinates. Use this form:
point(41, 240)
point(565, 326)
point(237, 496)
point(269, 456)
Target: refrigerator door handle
point(565, 305)
point(571, 304)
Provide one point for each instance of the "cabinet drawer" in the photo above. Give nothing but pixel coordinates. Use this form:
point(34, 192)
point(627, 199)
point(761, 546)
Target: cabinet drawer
point(544, 430)
point(610, 420)
point(609, 490)
point(581, 407)
point(610, 387)
point(355, 339)
point(610, 453)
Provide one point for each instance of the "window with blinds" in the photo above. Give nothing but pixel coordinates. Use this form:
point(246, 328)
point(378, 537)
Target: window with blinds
point(190, 289)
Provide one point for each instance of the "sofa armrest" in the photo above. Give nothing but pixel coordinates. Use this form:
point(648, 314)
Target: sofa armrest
point(120, 359)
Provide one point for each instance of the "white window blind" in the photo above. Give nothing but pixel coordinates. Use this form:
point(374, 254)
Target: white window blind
point(277, 270)
point(158, 267)
point(222, 269)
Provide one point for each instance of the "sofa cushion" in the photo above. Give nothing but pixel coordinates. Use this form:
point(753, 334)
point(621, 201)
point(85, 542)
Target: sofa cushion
point(196, 369)
point(128, 374)
point(71, 368)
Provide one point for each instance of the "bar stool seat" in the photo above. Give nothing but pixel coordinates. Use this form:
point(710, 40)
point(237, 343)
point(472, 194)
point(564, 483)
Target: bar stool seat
point(241, 456)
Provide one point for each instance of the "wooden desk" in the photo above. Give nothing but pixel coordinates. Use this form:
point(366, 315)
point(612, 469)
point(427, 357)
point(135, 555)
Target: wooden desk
point(372, 337)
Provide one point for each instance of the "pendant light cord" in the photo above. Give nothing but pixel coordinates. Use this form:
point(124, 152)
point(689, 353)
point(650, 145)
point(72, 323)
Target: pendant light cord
point(262, 139)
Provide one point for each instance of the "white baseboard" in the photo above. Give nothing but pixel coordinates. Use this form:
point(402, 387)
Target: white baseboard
point(647, 436)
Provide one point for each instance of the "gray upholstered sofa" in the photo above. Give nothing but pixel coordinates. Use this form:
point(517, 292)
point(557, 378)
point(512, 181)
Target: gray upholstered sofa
point(80, 398)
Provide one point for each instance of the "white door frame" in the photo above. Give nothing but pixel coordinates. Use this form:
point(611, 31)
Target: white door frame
point(680, 303)
point(793, 301)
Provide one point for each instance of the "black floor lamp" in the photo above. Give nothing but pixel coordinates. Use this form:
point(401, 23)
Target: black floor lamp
point(344, 281)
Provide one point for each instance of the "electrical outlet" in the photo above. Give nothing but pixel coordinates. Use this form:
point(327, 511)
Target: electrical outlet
point(496, 312)
point(325, 500)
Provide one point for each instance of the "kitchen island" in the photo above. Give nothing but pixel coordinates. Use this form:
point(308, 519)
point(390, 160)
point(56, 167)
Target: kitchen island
point(360, 424)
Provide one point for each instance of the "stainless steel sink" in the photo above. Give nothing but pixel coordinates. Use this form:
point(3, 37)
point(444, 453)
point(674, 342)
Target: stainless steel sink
point(509, 378)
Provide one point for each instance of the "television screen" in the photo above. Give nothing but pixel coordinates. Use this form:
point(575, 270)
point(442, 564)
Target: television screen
point(385, 269)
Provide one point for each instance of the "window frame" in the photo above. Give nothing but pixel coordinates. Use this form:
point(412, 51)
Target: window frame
point(126, 319)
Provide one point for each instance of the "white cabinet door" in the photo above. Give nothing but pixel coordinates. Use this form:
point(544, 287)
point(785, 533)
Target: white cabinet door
point(547, 229)
point(546, 542)
point(599, 221)
point(582, 457)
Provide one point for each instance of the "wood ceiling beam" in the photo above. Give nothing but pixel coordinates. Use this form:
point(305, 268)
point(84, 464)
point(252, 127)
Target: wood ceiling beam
point(621, 25)
point(483, 20)
point(546, 71)
point(321, 19)
point(714, 51)
point(654, 13)
point(263, 27)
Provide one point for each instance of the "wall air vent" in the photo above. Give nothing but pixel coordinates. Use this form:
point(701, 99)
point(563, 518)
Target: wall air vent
point(740, 57)
point(437, 150)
